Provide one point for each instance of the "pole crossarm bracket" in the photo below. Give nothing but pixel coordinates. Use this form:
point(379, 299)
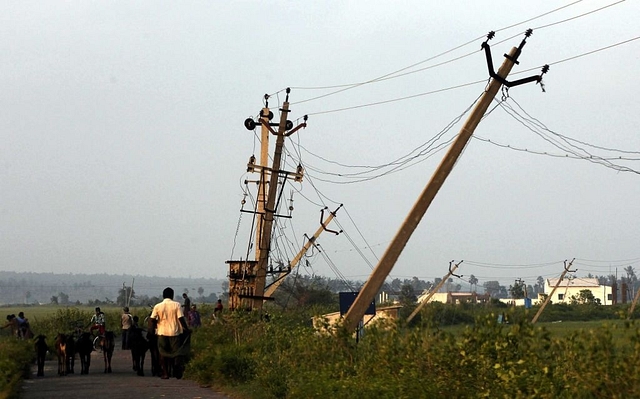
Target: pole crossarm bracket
point(451, 271)
point(514, 58)
point(322, 221)
point(566, 267)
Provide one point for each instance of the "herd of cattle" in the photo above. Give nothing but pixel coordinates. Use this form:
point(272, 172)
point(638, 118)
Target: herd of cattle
point(66, 347)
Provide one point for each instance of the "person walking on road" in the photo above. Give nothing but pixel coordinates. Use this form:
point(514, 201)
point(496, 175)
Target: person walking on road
point(126, 322)
point(194, 317)
point(186, 307)
point(174, 337)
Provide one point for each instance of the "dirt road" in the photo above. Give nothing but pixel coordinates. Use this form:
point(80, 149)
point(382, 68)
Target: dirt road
point(122, 383)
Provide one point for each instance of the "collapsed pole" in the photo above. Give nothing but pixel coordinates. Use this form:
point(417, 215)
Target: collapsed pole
point(548, 298)
point(433, 292)
point(633, 304)
point(281, 276)
point(389, 258)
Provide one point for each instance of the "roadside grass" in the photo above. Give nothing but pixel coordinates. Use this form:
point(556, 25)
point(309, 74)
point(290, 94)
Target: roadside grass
point(285, 358)
point(251, 355)
point(16, 358)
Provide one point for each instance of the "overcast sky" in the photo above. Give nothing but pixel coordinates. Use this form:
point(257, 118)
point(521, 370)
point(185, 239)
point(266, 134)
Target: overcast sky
point(123, 148)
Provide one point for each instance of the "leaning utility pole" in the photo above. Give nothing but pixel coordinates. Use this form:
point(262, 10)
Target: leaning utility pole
point(280, 275)
point(432, 293)
point(633, 305)
point(389, 258)
point(548, 298)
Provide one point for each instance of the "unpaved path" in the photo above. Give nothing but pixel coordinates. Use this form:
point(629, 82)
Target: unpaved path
point(122, 383)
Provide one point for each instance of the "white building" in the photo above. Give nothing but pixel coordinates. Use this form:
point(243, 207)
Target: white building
point(571, 287)
point(455, 297)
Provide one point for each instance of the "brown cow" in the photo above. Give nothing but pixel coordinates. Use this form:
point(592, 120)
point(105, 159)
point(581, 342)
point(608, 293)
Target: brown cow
point(61, 351)
point(107, 344)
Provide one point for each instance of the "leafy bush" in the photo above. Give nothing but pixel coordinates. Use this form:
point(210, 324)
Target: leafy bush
point(284, 358)
point(16, 357)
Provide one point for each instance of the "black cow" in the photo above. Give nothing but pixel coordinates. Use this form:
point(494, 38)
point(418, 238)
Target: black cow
point(139, 346)
point(156, 371)
point(71, 353)
point(84, 346)
point(41, 352)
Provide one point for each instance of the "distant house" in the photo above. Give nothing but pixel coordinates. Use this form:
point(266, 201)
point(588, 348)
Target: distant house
point(455, 297)
point(571, 287)
point(327, 323)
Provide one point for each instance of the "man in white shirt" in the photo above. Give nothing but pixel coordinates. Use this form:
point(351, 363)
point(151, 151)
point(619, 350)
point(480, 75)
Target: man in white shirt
point(168, 323)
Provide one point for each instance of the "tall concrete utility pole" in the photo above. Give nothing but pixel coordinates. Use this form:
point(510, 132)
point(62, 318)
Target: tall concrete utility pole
point(264, 174)
point(270, 207)
point(247, 278)
point(389, 258)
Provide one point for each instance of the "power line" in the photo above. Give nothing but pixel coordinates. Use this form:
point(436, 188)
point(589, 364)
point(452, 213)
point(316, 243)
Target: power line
point(582, 55)
point(399, 72)
point(413, 157)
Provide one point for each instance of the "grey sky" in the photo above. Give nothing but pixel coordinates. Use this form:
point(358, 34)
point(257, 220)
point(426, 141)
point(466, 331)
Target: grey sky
point(123, 148)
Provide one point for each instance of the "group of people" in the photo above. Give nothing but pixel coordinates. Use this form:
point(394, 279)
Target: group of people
point(170, 321)
point(191, 312)
point(19, 326)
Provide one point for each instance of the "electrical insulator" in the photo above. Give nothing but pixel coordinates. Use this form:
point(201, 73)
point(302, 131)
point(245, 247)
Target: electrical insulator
point(299, 173)
point(252, 163)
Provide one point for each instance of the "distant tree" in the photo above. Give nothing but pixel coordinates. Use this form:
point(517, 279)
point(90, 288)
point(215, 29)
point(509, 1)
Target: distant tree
point(396, 285)
point(211, 298)
point(416, 283)
point(492, 288)
point(200, 291)
point(473, 283)
point(585, 297)
point(408, 299)
point(63, 298)
point(305, 291)
point(632, 279)
point(449, 284)
point(54, 300)
point(124, 294)
point(437, 281)
point(517, 290)
point(407, 295)
point(540, 282)
point(531, 291)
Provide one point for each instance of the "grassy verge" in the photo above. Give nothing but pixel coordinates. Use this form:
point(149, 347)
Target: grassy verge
point(284, 358)
point(16, 357)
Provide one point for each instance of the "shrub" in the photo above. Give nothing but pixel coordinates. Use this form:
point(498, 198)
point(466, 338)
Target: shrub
point(16, 357)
